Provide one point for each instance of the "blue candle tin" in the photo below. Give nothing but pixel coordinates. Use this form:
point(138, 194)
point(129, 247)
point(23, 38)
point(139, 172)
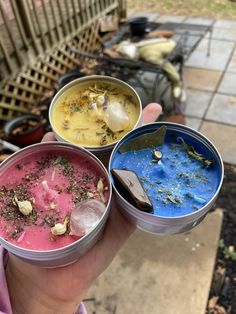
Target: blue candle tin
point(182, 185)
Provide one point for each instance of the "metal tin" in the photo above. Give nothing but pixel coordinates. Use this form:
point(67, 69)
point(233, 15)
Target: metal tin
point(167, 225)
point(103, 152)
point(71, 252)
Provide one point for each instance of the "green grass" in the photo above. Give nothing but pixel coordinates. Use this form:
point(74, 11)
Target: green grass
point(217, 9)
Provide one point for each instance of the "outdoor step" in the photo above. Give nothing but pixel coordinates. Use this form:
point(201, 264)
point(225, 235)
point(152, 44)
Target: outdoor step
point(160, 274)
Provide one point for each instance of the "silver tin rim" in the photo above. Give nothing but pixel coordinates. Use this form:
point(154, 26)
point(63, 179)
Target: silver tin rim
point(177, 220)
point(48, 257)
point(96, 78)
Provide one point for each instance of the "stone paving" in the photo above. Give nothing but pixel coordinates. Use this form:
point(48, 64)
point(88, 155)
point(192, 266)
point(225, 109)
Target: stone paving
point(160, 275)
point(210, 81)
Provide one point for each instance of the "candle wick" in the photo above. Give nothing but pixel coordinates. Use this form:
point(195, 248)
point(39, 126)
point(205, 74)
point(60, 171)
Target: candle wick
point(45, 185)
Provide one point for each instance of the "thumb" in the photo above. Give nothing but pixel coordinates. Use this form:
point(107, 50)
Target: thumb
point(48, 137)
point(151, 112)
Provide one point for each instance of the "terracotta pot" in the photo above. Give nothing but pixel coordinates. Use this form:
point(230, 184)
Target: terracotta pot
point(176, 118)
point(20, 132)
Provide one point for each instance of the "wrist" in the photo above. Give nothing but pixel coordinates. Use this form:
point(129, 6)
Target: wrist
point(27, 296)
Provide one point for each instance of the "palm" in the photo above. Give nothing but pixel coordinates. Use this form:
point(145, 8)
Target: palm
point(66, 283)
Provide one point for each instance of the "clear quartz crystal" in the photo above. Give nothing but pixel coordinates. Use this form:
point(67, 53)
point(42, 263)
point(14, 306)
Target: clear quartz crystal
point(116, 117)
point(85, 216)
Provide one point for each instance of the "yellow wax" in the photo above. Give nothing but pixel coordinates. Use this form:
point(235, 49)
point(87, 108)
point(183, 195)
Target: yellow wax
point(79, 116)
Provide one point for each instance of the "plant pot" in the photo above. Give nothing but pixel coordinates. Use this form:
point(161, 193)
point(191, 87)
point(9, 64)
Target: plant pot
point(138, 26)
point(68, 77)
point(24, 130)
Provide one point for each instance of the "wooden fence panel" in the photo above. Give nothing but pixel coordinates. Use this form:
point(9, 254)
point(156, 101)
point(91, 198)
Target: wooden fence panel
point(35, 36)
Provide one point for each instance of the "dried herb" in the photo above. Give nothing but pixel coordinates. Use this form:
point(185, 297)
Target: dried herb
point(103, 140)
point(81, 195)
point(57, 161)
point(50, 221)
point(31, 177)
point(65, 125)
point(62, 162)
point(173, 200)
point(74, 107)
point(110, 133)
point(44, 162)
point(32, 218)
point(16, 232)
point(169, 196)
point(19, 166)
point(97, 90)
point(154, 139)
point(192, 152)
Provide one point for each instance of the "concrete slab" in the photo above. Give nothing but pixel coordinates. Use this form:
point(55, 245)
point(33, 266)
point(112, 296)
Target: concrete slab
point(171, 19)
point(197, 103)
point(225, 24)
point(189, 43)
point(201, 79)
point(232, 64)
point(227, 85)
point(219, 55)
point(224, 34)
point(199, 21)
point(223, 136)
point(194, 123)
point(160, 275)
point(222, 109)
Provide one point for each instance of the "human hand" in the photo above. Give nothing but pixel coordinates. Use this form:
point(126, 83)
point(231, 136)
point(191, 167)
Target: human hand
point(60, 290)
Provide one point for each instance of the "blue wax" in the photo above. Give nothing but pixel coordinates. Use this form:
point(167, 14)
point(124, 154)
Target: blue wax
point(177, 184)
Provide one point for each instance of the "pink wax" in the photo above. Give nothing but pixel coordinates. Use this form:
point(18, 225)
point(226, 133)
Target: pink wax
point(53, 183)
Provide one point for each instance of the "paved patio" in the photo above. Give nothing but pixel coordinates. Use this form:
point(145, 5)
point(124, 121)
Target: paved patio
point(175, 276)
point(159, 275)
point(211, 103)
point(210, 82)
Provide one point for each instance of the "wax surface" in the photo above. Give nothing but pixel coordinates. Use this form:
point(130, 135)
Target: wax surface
point(177, 184)
point(79, 116)
point(70, 180)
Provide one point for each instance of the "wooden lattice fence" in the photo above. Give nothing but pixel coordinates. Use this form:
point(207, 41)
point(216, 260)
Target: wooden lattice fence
point(35, 41)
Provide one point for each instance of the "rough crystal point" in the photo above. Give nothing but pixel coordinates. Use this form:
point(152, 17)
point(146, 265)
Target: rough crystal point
point(85, 216)
point(116, 117)
point(133, 186)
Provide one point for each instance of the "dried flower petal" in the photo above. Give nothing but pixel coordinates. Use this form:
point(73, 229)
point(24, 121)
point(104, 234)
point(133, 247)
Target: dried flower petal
point(90, 195)
point(102, 197)
point(52, 205)
point(100, 186)
point(100, 100)
point(60, 228)
point(24, 207)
